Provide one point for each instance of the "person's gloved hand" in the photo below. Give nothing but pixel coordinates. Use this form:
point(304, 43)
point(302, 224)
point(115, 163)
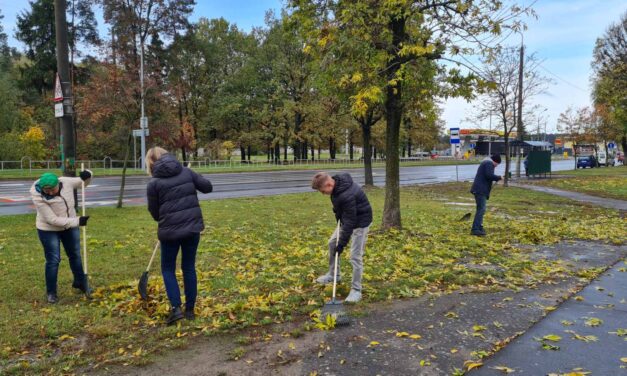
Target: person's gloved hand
point(84, 175)
point(499, 178)
point(82, 221)
point(339, 249)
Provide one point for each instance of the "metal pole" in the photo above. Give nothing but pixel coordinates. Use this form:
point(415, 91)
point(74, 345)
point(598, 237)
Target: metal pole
point(135, 151)
point(143, 123)
point(490, 137)
point(68, 145)
point(520, 103)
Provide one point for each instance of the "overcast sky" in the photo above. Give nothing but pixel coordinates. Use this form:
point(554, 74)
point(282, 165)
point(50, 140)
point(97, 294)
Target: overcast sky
point(563, 37)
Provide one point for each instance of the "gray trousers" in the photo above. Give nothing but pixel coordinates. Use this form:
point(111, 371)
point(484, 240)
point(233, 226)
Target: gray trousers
point(358, 244)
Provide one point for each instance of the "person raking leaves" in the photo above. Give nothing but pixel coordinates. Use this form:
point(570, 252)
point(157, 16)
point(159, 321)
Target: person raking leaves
point(353, 210)
point(58, 223)
point(481, 187)
point(173, 202)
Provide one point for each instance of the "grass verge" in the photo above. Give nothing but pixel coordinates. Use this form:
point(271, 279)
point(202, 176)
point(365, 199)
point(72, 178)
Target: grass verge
point(257, 261)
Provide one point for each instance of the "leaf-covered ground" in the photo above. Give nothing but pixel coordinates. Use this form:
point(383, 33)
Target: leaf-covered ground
point(612, 185)
point(257, 262)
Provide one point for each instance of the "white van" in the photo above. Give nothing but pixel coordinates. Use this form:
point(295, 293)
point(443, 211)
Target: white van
point(603, 159)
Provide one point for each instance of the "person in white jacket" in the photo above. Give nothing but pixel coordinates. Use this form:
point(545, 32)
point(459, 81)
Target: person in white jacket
point(57, 223)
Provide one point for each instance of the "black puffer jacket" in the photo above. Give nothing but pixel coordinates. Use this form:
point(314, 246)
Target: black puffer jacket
point(172, 199)
point(482, 184)
point(351, 207)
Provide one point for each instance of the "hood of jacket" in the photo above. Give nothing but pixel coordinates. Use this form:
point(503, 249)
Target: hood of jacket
point(342, 183)
point(166, 167)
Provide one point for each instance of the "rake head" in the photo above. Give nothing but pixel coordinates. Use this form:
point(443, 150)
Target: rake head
point(142, 286)
point(336, 309)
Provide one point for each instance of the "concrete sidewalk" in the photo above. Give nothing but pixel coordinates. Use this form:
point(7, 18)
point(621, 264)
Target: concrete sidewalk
point(586, 344)
point(609, 203)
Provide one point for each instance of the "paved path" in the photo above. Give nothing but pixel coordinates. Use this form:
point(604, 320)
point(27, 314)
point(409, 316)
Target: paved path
point(604, 299)
point(581, 197)
point(15, 199)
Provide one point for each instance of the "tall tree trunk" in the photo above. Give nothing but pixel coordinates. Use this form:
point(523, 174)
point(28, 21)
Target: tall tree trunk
point(181, 127)
point(242, 152)
point(319, 152)
point(393, 114)
point(313, 152)
point(285, 149)
point(249, 152)
point(297, 144)
point(409, 148)
point(507, 159)
point(366, 132)
point(351, 146)
point(374, 152)
point(123, 182)
point(268, 152)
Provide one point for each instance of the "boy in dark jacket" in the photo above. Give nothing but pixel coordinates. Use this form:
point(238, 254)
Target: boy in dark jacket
point(481, 188)
point(352, 209)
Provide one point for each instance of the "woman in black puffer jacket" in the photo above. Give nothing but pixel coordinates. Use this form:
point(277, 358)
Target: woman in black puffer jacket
point(173, 202)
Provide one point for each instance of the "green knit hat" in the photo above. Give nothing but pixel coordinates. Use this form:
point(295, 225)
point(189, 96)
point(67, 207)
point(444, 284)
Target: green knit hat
point(48, 180)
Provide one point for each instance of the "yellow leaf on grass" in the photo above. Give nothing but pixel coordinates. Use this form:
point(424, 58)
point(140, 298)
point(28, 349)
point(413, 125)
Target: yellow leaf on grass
point(402, 334)
point(478, 328)
point(453, 351)
point(65, 336)
point(373, 344)
point(415, 336)
point(624, 360)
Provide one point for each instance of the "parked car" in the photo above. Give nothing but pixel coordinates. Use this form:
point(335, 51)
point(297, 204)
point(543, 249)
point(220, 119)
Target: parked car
point(605, 160)
point(588, 161)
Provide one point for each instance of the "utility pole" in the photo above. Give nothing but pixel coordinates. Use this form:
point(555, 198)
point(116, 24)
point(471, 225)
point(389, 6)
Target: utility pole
point(68, 142)
point(520, 103)
point(143, 121)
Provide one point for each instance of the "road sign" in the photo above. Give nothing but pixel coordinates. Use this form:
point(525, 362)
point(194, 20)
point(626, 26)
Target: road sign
point(58, 110)
point(454, 135)
point(558, 141)
point(472, 146)
point(58, 90)
point(138, 132)
point(611, 145)
point(143, 122)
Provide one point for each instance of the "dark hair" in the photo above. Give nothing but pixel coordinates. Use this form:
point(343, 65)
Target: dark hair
point(496, 158)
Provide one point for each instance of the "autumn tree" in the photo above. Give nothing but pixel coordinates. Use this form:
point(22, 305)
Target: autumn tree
point(393, 35)
point(500, 70)
point(610, 80)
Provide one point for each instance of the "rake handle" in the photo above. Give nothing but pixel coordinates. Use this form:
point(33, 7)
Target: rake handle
point(337, 241)
point(154, 252)
point(84, 227)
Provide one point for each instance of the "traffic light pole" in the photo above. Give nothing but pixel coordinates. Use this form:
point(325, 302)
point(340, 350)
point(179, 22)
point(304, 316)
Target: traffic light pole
point(68, 142)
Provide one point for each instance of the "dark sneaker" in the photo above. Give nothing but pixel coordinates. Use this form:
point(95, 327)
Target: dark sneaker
point(190, 315)
point(175, 315)
point(52, 298)
point(81, 286)
point(478, 233)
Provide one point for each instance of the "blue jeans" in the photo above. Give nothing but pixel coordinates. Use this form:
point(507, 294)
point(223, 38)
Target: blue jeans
point(51, 240)
point(169, 251)
point(477, 224)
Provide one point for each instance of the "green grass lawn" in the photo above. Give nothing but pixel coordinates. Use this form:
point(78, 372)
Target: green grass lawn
point(257, 261)
point(237, 167)
point(604, 182)
point(600, 171)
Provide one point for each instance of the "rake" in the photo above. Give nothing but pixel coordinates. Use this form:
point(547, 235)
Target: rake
point(335, 308)
point(142, 286)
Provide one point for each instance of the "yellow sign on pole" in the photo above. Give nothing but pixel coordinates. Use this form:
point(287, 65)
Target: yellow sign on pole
point(565, 154)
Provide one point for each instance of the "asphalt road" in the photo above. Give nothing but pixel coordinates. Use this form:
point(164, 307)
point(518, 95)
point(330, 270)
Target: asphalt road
point(15, 198)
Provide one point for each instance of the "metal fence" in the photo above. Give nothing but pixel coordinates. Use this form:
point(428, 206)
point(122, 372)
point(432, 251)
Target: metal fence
point(108, 163)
